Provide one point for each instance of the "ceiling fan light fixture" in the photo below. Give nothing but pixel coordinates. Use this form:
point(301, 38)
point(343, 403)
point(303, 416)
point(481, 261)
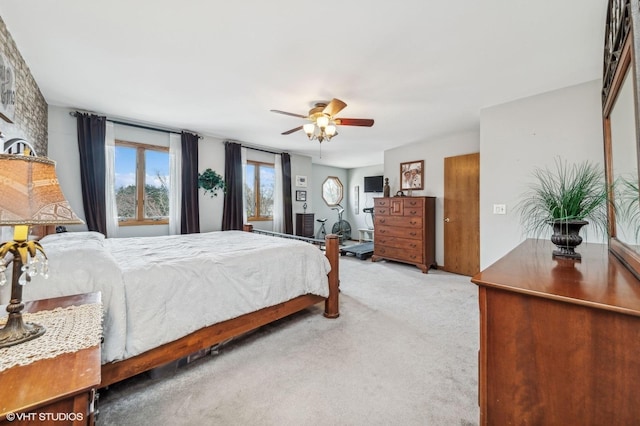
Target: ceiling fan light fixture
point(322, 121)
point(323, 124)
point(309, 129)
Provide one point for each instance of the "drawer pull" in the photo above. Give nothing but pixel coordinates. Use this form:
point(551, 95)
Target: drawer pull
point(382, 220)
point(413, 234)
point(413, 212)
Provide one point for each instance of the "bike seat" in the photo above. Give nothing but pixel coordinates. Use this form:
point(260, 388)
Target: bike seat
point(323, 220)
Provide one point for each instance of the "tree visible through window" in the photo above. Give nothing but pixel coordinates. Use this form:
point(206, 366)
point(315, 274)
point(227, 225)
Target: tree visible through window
point(142, 183)
point(259, 203)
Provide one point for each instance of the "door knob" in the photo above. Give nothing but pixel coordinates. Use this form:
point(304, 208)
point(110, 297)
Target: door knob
point(446, 219)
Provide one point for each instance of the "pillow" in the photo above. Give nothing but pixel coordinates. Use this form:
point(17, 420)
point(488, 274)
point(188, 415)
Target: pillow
point(73, 236)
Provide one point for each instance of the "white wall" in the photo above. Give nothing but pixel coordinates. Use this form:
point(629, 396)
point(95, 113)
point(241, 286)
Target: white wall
point(356, 217)
point(63, 149)
point(433, 152)
point(301, 166)
point(518, 136)
point(211, 156)
point(320, 208)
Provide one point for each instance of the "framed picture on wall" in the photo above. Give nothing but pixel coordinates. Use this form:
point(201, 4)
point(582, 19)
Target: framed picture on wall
point(8, 86)
point(301, 181)
point(301, 195)
point(412, 175)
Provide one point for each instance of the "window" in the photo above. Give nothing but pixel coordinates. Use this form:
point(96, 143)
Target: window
point(332, 191)
point(259, 202)
point(142, 183)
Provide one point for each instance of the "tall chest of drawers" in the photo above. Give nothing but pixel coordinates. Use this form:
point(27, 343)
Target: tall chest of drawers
point(405, 230)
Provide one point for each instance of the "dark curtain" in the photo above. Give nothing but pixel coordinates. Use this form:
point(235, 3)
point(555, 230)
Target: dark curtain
point(232, 213)
point(286, 193)
point(91, 140)
point(189, 208)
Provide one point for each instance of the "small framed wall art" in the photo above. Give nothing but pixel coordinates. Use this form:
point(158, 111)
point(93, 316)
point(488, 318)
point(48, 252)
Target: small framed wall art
point(301, 181)
point(301, 195)
point(7, 89)
point(412, 175)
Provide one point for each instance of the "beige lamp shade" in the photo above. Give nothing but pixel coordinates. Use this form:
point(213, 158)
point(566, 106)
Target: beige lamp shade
point(30, 193)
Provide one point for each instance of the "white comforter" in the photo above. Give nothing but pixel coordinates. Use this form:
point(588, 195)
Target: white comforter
point(158, 289)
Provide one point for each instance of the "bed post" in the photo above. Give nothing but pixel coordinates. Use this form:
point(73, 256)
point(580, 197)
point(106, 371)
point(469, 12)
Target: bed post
point(331, 305)
point(247, 227)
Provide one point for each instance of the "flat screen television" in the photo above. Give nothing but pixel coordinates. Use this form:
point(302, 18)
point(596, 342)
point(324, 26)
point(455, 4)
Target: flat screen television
point(373, 184)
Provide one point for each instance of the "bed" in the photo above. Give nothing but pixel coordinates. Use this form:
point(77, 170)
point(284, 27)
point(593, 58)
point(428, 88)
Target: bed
point(167, 297)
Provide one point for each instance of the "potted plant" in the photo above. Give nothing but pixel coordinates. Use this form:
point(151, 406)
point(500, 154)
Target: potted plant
point(565, 197)
point(211, 182)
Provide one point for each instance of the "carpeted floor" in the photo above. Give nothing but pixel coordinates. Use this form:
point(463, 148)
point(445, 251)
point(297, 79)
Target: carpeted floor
point(404, 351)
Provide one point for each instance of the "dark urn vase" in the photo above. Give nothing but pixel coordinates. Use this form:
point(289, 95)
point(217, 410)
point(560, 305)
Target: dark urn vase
point(566, 237)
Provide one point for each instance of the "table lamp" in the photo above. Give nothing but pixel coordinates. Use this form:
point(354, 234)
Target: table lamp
point(29, 195)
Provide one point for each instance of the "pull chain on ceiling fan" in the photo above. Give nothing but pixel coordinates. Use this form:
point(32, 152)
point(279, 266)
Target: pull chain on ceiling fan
point(323, 121)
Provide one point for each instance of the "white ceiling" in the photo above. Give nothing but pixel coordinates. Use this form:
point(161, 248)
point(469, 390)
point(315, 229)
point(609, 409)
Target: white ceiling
point(420, 68)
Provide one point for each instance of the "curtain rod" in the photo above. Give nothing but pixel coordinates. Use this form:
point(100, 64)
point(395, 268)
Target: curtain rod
point(139, 126)
point(256, 149)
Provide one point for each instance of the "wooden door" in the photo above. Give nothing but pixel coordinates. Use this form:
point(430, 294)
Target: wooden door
point(462, 214)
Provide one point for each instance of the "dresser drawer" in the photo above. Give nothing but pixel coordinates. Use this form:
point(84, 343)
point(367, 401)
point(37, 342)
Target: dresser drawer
point(412, 211)
point(412, 202)
point(381, 202)
point(400, 221)
point(395, 253)
point(380, 211)
point(394, 231)
point(399, 242)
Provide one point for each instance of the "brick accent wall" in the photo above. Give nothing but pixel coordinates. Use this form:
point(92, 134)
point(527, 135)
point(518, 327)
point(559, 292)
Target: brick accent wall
point(31, 114)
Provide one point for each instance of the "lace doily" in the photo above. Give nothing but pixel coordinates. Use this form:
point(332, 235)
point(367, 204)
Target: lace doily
point(67, 330)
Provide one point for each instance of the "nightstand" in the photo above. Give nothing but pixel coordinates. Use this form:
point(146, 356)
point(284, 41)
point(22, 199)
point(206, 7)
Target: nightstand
point(56, 391)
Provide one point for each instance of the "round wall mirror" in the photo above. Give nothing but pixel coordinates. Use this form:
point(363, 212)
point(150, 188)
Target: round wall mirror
point(332, 191)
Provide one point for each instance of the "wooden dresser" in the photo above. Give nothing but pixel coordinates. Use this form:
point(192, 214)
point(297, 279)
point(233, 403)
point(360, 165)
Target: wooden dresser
point(405, 230)
point(53, 391)
point(304, 225)
point(559, 339)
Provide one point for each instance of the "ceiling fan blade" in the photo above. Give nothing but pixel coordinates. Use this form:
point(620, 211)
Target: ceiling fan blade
point(365, 122)
point(288, 132)
point(334, 107)
point(289, 113)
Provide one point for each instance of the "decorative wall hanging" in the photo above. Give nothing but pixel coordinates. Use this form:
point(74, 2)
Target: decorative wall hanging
point(7, 89)
point(412, 175)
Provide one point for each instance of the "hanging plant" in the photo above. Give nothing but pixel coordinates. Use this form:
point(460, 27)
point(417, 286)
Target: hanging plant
point(211, 182)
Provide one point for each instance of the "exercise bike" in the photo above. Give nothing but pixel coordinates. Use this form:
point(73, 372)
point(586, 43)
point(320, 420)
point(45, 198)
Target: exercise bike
point(341, 228)
point(322, 232)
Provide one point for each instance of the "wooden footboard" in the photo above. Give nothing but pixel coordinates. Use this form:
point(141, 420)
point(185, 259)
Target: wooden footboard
point(217, 333)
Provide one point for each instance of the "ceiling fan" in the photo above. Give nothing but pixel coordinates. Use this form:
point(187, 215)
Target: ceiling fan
point(323, 120)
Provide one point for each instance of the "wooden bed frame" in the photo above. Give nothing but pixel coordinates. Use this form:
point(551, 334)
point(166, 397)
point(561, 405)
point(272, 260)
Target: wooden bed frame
point(217, 333)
